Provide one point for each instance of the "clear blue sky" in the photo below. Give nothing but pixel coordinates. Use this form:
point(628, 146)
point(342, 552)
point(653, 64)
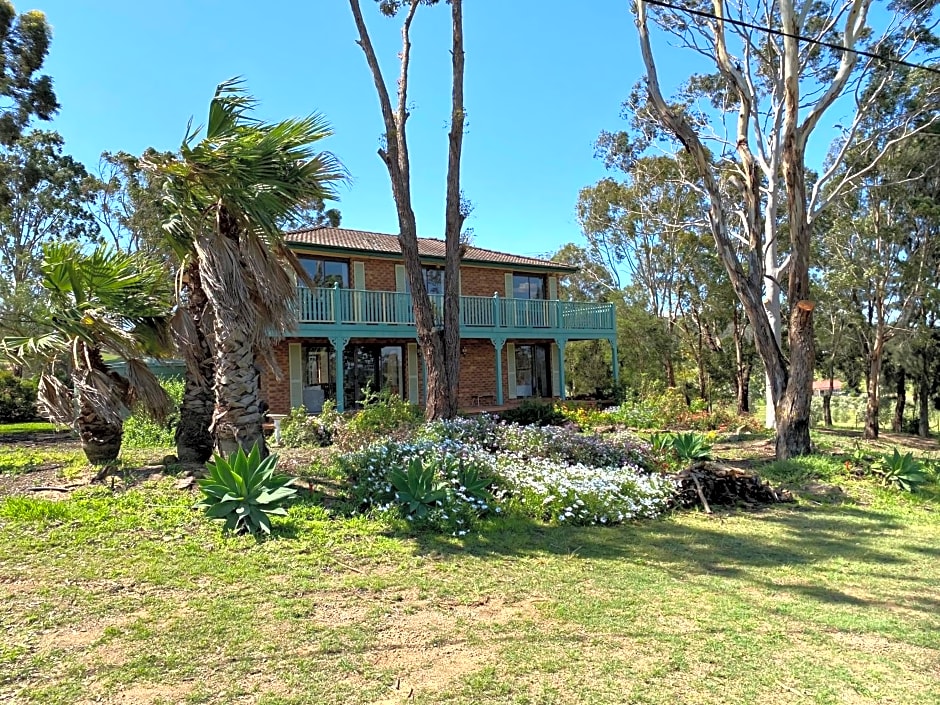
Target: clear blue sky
point(542, 79)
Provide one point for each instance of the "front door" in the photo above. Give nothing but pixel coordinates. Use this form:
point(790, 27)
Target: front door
point(369, 369)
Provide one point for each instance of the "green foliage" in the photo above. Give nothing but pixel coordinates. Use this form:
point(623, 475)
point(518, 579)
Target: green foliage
point(303, 430)
point(24, 45)
point(900, 471)
point(417, 488)
point(17, 398)
point(797, 471)
point(532, 412)
point(244, 491)
point(690, 446)
point(383, 414)
point(142, 431)
point(17, 459)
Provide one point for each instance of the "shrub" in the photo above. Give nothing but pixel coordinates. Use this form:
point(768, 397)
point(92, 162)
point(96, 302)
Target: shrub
point(690, 447)
point(303, 430)
point(383, 415)
point(581, 494)
point(900, 471)
point(585, 417)
point(534, 413)
point(442, 485)
point(141, 431)
point(244, 491)
point(17, 398)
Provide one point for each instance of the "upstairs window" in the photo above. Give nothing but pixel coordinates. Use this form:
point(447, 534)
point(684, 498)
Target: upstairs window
point(528, 286)
point(327, 272)
point(434, 280)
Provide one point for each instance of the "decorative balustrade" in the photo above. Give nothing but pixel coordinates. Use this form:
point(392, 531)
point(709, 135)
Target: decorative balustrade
point(336, 306)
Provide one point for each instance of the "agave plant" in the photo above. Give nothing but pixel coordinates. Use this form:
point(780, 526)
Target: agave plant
point(417, 488)
point(691, 446)
point(901, 471)
point(244, 491)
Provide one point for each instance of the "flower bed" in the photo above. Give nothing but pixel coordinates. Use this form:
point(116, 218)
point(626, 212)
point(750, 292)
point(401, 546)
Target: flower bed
point(455, 472)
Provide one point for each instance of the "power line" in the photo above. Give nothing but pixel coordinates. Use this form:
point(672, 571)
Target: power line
point(799, 37)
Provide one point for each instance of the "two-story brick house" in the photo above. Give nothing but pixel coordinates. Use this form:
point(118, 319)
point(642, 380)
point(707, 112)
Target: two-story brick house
point(356, 329)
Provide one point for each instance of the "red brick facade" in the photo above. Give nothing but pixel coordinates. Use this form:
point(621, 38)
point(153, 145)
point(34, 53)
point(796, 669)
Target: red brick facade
point(477, 385)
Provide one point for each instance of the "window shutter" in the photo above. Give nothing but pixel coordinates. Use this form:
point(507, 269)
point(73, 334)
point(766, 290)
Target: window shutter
point(400, 284)
point(359, 275)
point(413, 371)
point(556, 384)
point(295, 364)
point(460, 282)
point(553, 288)
point(511, 367)
point(509, 289)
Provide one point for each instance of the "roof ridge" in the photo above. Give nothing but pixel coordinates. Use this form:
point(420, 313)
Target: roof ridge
point(494, 255)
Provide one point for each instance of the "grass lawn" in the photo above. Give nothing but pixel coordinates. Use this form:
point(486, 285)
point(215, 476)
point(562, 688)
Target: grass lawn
point(7, 429)
point(130, 596)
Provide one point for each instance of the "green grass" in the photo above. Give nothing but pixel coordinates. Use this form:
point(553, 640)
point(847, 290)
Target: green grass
point(135, 597)
point(15, 460)
point(27, 427)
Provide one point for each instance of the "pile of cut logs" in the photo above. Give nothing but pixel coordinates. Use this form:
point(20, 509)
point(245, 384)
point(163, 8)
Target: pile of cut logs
point(707, 484)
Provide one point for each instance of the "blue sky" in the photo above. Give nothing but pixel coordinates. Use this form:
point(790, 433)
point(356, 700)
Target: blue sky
point(542, 80)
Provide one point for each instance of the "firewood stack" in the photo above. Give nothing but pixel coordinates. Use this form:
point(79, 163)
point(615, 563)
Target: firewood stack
point(707, 483)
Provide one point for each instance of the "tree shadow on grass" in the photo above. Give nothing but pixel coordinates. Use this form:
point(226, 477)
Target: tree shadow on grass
point(791, 537)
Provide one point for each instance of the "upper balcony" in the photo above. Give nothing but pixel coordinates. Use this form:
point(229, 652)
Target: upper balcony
point(336, 311)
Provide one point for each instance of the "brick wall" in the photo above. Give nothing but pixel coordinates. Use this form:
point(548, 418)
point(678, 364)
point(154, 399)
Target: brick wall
point(276, 392)
point(380, 274)
point(478, 372)
point(482, 281)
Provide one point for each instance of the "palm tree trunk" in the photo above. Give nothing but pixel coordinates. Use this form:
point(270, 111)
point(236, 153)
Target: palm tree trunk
point(193, 438)
point(237, 417)
point(101, 438)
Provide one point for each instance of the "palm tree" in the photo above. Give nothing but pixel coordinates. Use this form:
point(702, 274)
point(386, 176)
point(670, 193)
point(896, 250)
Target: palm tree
point(106, 303)
point(229, 194)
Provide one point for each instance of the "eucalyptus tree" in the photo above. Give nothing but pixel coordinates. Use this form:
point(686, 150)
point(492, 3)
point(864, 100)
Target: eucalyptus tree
point(24, 45)
point(882, 246)
point(439, 346)
point(44, 197)
point(229, 194)
point(747, 127)
point(103, 306)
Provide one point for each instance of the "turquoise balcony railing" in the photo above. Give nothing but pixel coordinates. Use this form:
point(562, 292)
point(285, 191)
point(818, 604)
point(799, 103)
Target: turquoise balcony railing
point(478, 314)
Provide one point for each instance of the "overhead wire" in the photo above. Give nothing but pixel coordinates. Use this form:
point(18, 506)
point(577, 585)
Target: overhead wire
point(798, 37)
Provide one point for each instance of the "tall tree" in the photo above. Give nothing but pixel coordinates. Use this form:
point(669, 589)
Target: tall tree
point(24, 44)
point(44, 197)
point(229, 194)
point(131, 211)
point(439, 347)
point(103, 303)
point(767, 96)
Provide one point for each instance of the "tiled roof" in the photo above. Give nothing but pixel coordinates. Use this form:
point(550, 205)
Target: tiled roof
point(362, 241)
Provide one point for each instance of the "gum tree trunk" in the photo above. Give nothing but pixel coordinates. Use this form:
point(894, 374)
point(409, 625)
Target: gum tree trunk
point(897, 423)
point(440, 346)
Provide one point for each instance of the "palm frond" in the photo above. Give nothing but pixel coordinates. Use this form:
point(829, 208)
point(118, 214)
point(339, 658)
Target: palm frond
point(55, 399)
point(146, 392)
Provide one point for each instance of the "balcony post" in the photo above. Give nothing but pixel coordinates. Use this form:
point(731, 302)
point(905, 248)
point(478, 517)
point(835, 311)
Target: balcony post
point(613, 355)
point(336, 313)
point(496, 316)
point(561, 343)
point(498, 343)
point(339, 344)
